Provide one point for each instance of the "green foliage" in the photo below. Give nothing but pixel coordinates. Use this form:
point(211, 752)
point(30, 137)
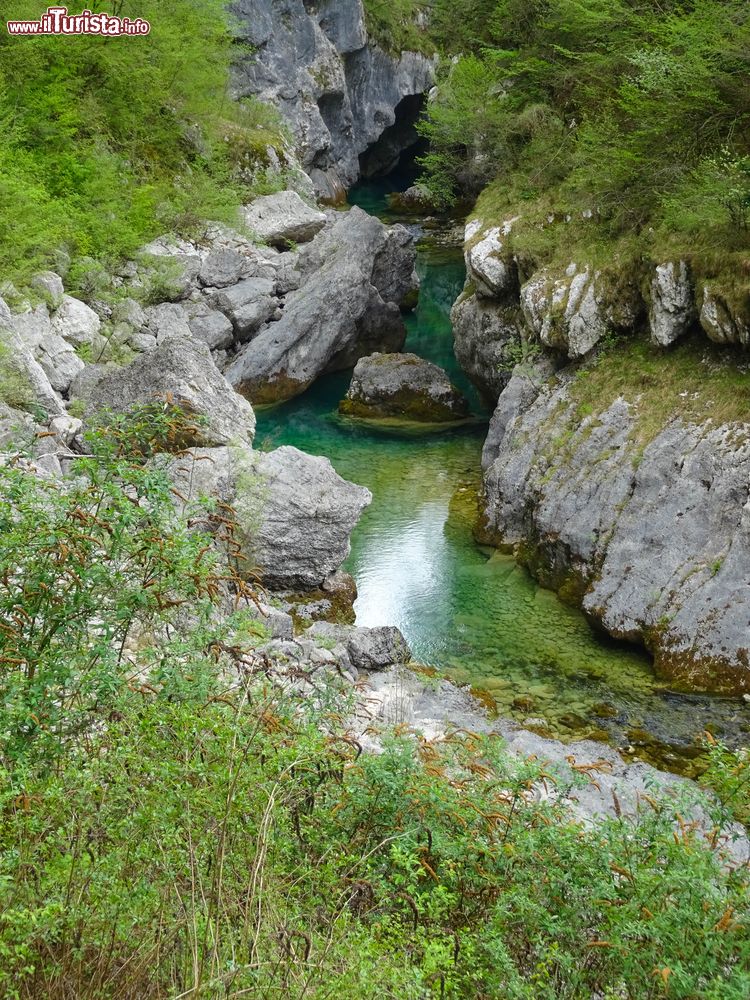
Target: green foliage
point(105, 142)
point(15, 390)
point(172, 823)
point(85, 565)
point(634, 112)
point(227, 847)
point(728, 775)
point(395, 25)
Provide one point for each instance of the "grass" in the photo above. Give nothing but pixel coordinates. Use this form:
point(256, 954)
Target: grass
point(696, 382)
point(393, 24)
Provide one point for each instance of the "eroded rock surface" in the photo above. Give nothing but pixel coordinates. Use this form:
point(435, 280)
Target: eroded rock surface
point(572, 312)
point(339, 93)
point(294, 513)
point(487, 339)
point(282, 219)
point(651, 536)
point(672, 311)
point(402, 385)
point(180, 371)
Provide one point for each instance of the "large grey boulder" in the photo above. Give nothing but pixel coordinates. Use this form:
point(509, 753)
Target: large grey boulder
point(167, 319)
point(50, 284)
point(212, 327)
point(354, 277)
point(17, 427)
point(651, 538)
point(487, 340)
point(181, 371)
point(32, 326)
point(294, 513)
point(24, 384)
point(725, 317)
point(489, 265)
point(248, 305)
point(59, 361)
point(672, 311)
point(405, 386)
point(339, 93)
point(128, 312)
point(282, 219)
point(222, 268)
point(77, 323)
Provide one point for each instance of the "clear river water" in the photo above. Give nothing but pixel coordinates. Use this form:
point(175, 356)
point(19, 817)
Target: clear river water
point(468, 611)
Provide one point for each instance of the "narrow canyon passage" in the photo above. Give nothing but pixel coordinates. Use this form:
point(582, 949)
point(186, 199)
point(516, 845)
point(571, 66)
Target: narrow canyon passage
point(467, 610)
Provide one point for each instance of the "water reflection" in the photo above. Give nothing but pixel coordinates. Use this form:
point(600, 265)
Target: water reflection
point(469, 611)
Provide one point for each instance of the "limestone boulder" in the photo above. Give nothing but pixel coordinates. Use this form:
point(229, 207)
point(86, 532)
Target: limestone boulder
point(672, 310)
point(282, 219)
point(294, 513)
point(404, 386)
point(181, 371)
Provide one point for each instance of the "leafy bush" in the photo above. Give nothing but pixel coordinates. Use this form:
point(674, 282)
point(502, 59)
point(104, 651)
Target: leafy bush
point(106, 142)
point(85, 565)
point(228, 847)
point(728, 775)
point(626, 110)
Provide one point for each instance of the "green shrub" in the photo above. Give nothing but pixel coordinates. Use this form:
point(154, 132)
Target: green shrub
point(226, 846)
point(107, 142)
point(633, 112)
point(86, 564)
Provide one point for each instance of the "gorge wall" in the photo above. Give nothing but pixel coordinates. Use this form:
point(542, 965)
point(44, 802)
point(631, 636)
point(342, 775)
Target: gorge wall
point(339, 93)
point(617, 465)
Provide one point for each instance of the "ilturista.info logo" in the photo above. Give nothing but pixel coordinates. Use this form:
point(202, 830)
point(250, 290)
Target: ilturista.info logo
point(57, 21)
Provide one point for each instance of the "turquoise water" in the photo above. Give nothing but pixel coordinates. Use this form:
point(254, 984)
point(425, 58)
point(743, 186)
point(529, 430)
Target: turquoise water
point(466, 610)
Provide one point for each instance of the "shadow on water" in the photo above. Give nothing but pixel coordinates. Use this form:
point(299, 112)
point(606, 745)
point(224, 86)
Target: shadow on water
point(470, 611)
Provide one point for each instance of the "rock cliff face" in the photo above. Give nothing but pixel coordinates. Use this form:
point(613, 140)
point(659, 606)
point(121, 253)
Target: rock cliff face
point(618, 472)
point(651, 538)
point(339, 93)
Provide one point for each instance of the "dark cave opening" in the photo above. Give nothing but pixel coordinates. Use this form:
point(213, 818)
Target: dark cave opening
point(400, 145)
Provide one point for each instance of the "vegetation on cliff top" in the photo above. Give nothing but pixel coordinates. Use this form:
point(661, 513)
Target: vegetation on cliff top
point(108, 142)
point(634, 116)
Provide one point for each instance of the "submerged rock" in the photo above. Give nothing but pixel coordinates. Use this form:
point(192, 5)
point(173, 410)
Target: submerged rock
point(294, 514)
point(402, 385)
